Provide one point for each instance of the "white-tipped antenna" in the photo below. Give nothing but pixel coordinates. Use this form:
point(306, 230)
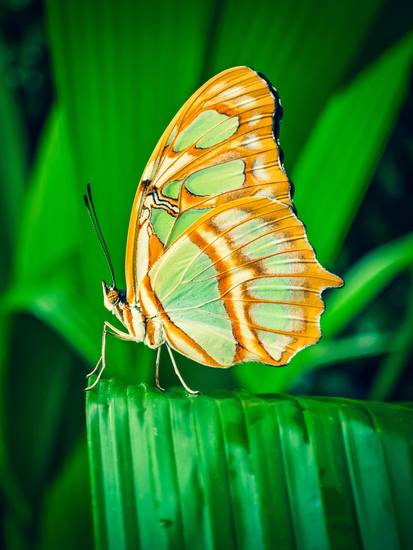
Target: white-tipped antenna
point(92, 213)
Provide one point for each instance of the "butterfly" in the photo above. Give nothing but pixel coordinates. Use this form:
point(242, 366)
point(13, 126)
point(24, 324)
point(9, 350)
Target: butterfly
point(218, 265)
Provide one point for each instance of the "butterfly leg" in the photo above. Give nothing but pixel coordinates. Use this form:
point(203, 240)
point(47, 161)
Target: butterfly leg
point(158, 360)
point(178, 374)
point(92, 372)
point(100, 358)
point(113, 331)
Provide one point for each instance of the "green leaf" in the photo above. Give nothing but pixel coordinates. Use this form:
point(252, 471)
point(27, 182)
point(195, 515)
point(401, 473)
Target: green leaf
point(49, 224)
point(392, 367)
point(47, 386)
point(47, 279)
point(13, 170)
point(40, 418)
point(10, 486)
point(305, 51)
point(365, 280)
point(345, 147)
point(66, 521)
point(235, 470)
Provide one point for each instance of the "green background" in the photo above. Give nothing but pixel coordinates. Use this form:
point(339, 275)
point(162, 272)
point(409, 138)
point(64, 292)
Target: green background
point(86, 88)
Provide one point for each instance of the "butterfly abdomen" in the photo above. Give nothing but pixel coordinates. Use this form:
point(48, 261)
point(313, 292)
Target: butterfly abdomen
point(151, 311)
point(154, 336)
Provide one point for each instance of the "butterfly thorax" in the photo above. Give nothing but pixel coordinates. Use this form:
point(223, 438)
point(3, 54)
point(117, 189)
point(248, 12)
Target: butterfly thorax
point(141, 326)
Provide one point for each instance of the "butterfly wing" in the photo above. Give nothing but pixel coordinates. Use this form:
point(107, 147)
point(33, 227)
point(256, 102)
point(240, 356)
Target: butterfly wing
point(242, 283)
point(221, 146)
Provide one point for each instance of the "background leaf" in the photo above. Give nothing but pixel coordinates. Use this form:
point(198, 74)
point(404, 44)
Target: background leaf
point(50, 209)
point(50, 206)
point(365, 280)
point(69, 526)
point(392, 367)
point(13, 169)
point(307, 61)
point(339, 159)
point(38, 440)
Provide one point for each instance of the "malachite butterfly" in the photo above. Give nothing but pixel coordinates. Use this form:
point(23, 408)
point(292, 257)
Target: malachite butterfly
point(218, 266)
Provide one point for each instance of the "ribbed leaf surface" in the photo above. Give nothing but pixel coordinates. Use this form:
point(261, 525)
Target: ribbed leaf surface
point(238, 471)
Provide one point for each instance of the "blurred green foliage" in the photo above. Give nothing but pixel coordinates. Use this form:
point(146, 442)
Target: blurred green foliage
point(120, 71)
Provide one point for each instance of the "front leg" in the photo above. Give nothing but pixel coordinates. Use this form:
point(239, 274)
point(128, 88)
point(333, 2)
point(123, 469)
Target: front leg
point(109, 329)
point(113, 331)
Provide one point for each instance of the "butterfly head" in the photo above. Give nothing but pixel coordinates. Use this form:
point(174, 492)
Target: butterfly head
point(130, 316)
point(112, 297)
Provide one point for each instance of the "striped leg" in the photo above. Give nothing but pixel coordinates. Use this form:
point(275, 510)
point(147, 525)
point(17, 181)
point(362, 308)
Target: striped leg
point(113, 331)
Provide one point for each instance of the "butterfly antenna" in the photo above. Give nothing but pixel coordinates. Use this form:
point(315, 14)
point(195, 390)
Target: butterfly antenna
point(96, 226)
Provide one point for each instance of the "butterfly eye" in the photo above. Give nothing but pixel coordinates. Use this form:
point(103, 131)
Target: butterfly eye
point(113, 296)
